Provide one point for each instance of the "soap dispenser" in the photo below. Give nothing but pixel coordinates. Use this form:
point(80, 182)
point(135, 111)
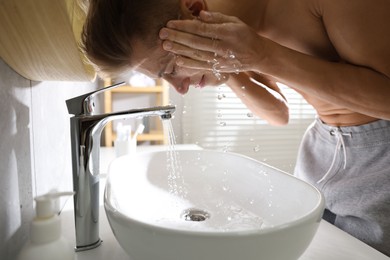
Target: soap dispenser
point(46, 241)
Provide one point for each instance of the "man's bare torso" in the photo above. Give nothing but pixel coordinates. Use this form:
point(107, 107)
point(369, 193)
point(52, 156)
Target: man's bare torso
point(297, 24)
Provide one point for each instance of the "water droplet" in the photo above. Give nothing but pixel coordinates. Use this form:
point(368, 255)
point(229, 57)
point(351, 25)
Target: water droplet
point(256, 148)
point(222, 123)
point(221, 96)
point(219, 204)
point(235, 209)
point(249, 115)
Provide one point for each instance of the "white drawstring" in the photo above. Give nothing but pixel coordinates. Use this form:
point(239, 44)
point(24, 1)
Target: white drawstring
point(340, 144)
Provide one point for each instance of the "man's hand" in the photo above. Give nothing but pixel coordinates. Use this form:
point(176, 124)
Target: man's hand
point(214, 42)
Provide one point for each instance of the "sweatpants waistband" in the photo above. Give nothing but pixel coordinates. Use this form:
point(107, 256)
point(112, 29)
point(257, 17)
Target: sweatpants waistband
point(376, 131)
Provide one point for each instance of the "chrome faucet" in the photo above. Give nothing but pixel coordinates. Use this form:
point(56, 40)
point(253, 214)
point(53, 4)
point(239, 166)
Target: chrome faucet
point(86, 127)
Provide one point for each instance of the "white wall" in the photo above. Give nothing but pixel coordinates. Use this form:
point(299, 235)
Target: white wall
point(34, 149)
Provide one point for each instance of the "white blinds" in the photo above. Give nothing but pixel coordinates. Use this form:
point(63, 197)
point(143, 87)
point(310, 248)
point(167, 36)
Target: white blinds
point(216, 119)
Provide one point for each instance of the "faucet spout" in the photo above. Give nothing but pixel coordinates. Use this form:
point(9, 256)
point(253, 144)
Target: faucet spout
point(86, 129)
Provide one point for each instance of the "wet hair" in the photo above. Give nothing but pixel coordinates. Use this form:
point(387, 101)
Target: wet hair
point(112, 25)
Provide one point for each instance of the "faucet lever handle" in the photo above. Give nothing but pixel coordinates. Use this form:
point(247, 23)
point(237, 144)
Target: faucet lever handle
point(84, 104)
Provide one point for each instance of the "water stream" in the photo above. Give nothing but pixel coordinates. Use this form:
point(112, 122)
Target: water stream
point(176, 182)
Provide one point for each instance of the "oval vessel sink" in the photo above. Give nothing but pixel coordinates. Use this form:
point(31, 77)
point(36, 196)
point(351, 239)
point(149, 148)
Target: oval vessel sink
point(209, 205)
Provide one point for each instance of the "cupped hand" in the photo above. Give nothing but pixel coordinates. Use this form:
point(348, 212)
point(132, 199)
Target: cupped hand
point(214, 42)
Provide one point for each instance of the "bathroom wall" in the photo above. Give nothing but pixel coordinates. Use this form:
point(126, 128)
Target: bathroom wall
point(34, 149)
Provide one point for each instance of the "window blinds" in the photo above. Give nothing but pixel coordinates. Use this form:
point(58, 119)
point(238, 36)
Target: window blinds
point(215, 118)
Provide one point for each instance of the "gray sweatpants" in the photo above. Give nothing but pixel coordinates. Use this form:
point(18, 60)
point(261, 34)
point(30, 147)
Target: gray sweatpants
point(351, 166)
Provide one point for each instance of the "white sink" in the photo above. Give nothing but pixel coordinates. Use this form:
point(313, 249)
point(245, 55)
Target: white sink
point(225, 207)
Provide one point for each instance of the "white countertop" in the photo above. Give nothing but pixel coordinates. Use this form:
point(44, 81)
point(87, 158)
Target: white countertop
point(329, 243)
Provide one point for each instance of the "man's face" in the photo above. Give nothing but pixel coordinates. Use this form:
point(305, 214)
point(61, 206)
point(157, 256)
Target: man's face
point(158, 63)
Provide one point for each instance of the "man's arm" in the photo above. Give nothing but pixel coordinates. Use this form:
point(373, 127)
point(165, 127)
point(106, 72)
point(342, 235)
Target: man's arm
point(260, 95)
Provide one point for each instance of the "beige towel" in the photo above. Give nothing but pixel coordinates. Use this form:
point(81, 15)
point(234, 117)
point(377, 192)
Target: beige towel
point(40, 39)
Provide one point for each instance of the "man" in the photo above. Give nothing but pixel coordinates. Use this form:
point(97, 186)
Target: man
point(335, 53)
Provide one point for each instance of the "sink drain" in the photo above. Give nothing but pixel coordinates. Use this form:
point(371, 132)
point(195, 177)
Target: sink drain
point(195, 215)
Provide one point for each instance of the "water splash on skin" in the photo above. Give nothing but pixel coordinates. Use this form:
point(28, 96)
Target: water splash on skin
point(232, 64)
point(233, 61)
point(231, 55)
point(216, 70)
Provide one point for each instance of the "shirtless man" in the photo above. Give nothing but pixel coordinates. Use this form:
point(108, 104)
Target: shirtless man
point(335, 53)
